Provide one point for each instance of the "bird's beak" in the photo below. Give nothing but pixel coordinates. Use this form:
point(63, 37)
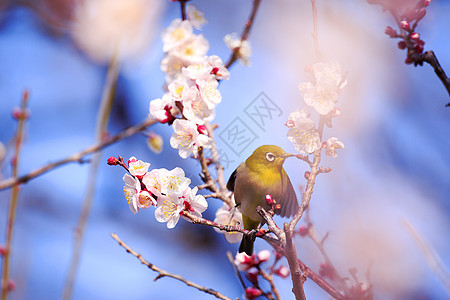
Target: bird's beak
point(286, 155)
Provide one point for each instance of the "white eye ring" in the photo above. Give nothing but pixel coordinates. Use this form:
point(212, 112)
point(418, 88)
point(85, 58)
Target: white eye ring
point(270, 156)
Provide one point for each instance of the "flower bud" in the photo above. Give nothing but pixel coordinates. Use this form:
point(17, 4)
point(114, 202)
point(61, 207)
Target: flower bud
point(278, 255)
point(307, 174)
point(289, 123)
point(324, 145)
point(404, 24)
point(202, 129)
point(3, 250)
point(415, 36)
point(282, 271)
point(303, 230)
point(426, 3)
point(401, 45)
point(390, 31)
point(252, 275)
point(326, 271)
point(269, 200)
point(155, 143)
point(112, 161)
point(11, 285)
point(421, 42)
point(252, 293)
point(263, 256)
point(408, 60)
point(419, 48)
point(277, 207)
point(327, 170)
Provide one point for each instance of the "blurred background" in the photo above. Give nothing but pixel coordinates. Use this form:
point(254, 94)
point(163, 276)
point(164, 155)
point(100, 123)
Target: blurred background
point(395, 166)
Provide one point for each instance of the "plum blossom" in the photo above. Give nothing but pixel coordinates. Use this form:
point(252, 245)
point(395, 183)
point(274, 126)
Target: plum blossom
point(200, 70)
point(168, 210)
point(233, 41)
point(209, 92)
point(193, 50)
point(195, 16)
point(195, 204)
point(332, 144)
point(136, 197)
point(196, 110)
point(137, 167)
point(162, 109)
point(171, 64)
point(302, 133)
point(230, 217)
point(176, 34)
point(322, 94)
point(178, 89)
point(187, 139)
point(173, 181)
point(218, 68)
point(321, 97)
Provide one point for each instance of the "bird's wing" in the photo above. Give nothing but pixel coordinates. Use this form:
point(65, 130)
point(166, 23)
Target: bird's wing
point(232, 180)
point(289, 205)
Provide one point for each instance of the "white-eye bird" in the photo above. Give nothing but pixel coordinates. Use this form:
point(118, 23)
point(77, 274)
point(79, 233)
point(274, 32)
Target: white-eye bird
point(261, 174)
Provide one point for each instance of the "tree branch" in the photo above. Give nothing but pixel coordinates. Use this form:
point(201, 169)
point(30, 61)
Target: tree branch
point(245, 33)
point(163, 273)
point(77, 157)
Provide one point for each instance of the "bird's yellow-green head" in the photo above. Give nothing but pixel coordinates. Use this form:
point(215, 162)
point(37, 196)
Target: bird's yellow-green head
point(268, 157)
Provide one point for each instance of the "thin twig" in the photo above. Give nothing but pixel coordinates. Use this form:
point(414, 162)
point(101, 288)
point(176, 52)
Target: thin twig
point(245, 33)
point(308, 190)
point(183, 9)
point(315, 34)
point(162, 273)
point(14, 195)
point(228, 228)
point(216, 160)
point(273, 287)
point(77, 157)
point(320, 282)
point(432, 258)
point(104, 112)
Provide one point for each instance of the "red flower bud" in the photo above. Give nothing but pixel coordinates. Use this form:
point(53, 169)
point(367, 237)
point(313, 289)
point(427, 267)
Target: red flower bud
point(404, 24)
point(415, 36)
point(419, 48)
point(408, 60)
point(303, 230)
point(3, 250)
point(252, 293)
point(426, 3)
point(401, 45)
point(327, 170)
point(252, 275)
point(421, 42)
point(326, 271)
point(112, 161)
point(11, 285)
point(307, 174)
point(282, 271)
point(202, 129)
point(269, 200)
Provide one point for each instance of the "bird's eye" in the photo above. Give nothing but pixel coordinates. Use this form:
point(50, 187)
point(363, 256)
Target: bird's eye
point(270, 156)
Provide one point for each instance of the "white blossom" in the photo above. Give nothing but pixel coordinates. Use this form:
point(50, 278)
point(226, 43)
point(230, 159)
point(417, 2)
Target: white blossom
point(333, 144)
point(173, 181)
point(209, 92)
point(168, 210)
point(161, 108)
point(229, 217)
point(302, 133)
point(196, 110)
point(137, 167)
point(218, 68)
point(171, 64)
point(187, 139)
point(176, 34)
point(195, 16)
point(136, 197)
point(233, 41)
point(201, 70)
point(195, 204)
point(322, 94)
point(193, 50)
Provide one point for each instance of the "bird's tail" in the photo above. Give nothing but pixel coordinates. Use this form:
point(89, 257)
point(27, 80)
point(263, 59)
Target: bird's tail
point(246, 245)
